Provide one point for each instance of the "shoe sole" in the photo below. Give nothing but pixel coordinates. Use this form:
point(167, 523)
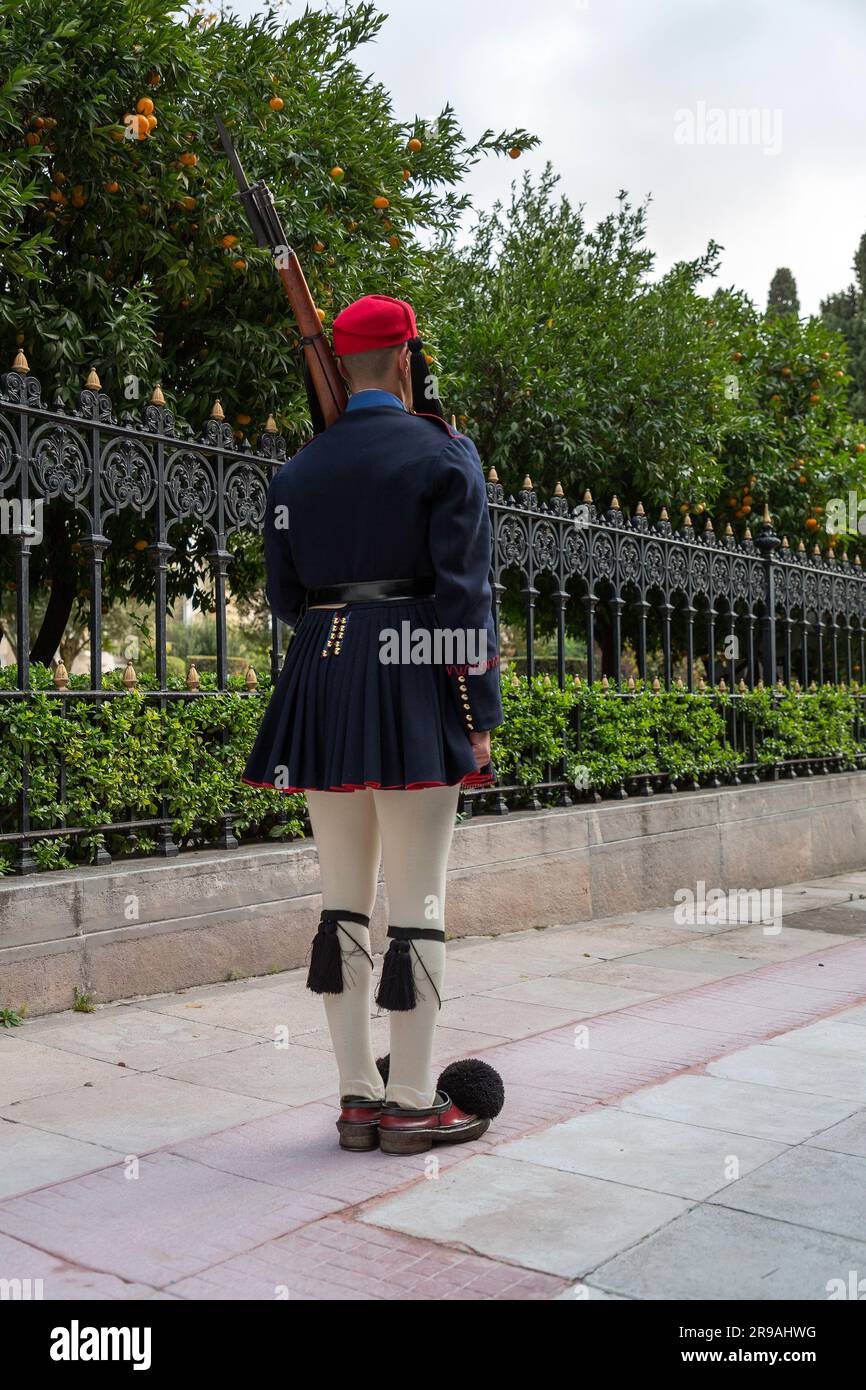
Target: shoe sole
point(358, 1138)
point(413, 1141)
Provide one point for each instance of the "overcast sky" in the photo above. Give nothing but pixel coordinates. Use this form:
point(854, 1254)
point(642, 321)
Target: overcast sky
point(644, 96)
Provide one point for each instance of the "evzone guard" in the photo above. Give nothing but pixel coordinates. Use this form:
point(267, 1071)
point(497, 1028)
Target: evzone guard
point(380, 525)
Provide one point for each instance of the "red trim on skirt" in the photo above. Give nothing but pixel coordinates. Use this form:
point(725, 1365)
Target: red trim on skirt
point(472, 779)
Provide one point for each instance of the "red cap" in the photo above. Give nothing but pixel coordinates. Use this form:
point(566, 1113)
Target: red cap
point(376, 321)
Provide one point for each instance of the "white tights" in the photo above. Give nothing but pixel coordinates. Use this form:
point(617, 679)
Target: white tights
point(412, 830)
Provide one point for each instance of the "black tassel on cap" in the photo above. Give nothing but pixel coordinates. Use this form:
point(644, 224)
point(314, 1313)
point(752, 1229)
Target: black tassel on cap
point(326, 959)
point(423, 402)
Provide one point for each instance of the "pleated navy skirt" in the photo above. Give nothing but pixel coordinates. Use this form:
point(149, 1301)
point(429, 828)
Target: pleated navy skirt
point(341, 719)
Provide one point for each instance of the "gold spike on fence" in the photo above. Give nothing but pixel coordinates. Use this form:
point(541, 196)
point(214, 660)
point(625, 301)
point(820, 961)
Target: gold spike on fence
point(130, 679)
point(251, 680)
point(61, 676)
point(193, 679)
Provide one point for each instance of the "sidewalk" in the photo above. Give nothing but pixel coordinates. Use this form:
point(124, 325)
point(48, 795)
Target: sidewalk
point(685, 1118)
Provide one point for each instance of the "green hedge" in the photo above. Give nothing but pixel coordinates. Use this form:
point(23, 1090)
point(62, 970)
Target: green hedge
point(120, 753)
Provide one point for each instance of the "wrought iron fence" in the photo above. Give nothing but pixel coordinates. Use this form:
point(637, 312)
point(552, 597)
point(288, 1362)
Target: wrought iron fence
point(720, 609)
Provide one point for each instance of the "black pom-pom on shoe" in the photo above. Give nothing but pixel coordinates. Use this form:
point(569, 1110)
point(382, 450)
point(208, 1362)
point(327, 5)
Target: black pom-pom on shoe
point(474, 1086)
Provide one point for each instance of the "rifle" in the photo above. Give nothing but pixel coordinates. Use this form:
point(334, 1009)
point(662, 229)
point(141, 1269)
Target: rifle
point(326, 390)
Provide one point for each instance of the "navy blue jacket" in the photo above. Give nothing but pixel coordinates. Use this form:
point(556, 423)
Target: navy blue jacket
point(385, 494)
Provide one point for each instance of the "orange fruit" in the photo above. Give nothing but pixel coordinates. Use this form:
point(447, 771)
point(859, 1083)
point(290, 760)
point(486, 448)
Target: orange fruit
point(141, 545)
point(840, 374)
point(229, 240)
point(38, 122)
point(117, 135)
point(322, 314)
point(515, 152)
point(188, 202)
point(189, 159)
point(861, 448)
point(144, 106)
point(381, 202)
point(786, 371)
point(814, 399)
point(31, 138)
point(825, 355)
point(113, 187)
point(337, 173)
point(58, 177)
point(239, 264)
point(394, 242)
point(415, 145)
point(244, 419)
point(56, 196)
point(802, 478)
point(736, 356)
point(276, 103)
point(318, 246)
point(407, 174)
point(811, 523)
point(428, 358)
point(154, 79)
point(152, 123)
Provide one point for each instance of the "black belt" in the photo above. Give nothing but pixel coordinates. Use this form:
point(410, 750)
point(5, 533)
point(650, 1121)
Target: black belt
point(371, 591)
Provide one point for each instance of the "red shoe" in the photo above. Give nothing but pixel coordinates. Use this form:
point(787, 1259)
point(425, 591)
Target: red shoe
point(403, 1131)
point(359, 1123)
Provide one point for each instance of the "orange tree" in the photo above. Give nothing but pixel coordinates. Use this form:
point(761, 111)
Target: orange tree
point(572, 360)
point(789, 440)
point(124, 249)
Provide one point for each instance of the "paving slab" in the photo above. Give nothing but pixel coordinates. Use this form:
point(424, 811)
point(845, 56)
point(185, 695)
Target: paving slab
point(135, 1037)
point(135, 1112)
point(807, 1187)
point(764, 1112)
point(261, 1007)
point(832, 1037)
point(32, 1158)
point(630, 973)
point(172, 1219)
point(717, 1254)
point(290, 1075)
point(514, 1211)
point(848, 1137)
point(581, 998)
point(508, 1018)
point(643, 1151)
point(52, 1278)
point(29, 1070)
point(689, 958)
point(335, 1260)
point(843, 1078)
point(793, 940)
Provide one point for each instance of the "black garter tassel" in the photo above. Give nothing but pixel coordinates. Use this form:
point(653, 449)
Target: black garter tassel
point(397, 986)
point(326, 959)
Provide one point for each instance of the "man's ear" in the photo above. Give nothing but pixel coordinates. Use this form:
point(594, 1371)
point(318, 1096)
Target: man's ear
point(405, 360)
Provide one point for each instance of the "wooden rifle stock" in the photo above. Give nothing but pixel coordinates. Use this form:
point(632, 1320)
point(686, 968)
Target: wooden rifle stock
point(323, 373)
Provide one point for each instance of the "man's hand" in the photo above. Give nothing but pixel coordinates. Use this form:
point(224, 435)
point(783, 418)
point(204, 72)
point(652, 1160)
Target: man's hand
point(481, 748)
